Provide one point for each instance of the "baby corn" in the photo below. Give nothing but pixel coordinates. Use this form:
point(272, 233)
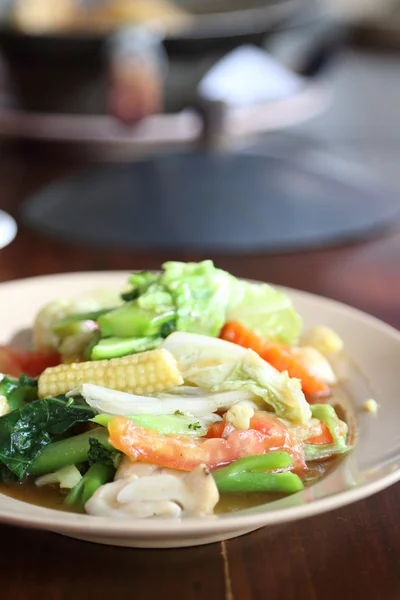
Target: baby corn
point(142, 373)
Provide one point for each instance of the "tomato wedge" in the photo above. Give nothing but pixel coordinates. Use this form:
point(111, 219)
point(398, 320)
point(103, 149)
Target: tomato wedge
point(216, 430)
point(185, 452)
point(325, 437)
point(31, 362)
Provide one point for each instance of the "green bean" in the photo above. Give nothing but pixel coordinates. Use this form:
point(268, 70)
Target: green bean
point(287, 483)
point(96, 476)
point(249, 475)
point(273, 461)
point(71, 451)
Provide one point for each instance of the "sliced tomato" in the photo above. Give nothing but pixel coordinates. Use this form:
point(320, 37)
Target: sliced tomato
point(216, 430)
point(8, 363)
point(278, 434)
point(31, 362)
point(325, 437)
point(185, 452)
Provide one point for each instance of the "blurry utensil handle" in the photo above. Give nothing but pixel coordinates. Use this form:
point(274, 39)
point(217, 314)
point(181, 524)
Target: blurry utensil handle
point(309, 50)
point(137, 68)
point(311, 53)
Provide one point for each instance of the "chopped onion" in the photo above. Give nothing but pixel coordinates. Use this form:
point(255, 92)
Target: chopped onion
point(106, 400)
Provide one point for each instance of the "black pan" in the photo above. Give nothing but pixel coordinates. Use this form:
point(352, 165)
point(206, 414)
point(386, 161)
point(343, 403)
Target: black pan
point(208, 21)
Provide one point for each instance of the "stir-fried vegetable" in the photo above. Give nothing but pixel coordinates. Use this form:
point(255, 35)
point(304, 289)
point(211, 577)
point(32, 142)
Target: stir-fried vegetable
point(278, 356)
point(177, 424)
point(152, 401)
point(143, 373)
point(69, 451)
point(336, 443)
point(185, 453)
point(96, 476)
point(67, 478)
point(249, 475)
point(18, 391)
point(26, 431)
point(114, 347)
point(219, 366)
point(15, 362)
point(46, 336)
point(195, 298)
point(192, 401)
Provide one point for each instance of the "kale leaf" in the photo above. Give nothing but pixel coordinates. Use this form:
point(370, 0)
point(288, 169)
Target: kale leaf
point(26, 431)
point(99, 454)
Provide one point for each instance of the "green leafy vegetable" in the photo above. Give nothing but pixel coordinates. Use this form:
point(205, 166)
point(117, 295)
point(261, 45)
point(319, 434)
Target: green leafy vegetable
point(265, 310)
point(194, 298)
point(98, 453)
point(200, 294)
point(26, 431)
point(141, 281)
point(18, 391)
point(168, 328)
point(338, 429)
point(194, 426)
point(131, 295)
point(219, 366)
point(7, 476)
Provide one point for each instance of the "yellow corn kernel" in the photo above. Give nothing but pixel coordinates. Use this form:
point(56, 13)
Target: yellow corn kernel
point(142, 373)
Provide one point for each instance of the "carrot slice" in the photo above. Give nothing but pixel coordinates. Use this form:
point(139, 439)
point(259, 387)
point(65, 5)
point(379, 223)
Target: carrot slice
point(279, 357)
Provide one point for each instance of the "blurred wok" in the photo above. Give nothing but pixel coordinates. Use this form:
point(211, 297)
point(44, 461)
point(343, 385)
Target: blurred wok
point(66, 71)
point(202, 21)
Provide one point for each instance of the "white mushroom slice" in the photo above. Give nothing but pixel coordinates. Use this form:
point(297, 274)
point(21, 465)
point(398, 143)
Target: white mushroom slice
point(127, 468)
point(155, 492)
point(104, 503)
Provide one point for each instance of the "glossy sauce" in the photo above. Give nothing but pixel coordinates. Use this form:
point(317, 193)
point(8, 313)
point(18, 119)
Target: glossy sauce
point(51, 497)
point(47, 496)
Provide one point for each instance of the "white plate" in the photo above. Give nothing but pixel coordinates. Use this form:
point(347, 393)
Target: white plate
point(8, 229)
point(373, 465)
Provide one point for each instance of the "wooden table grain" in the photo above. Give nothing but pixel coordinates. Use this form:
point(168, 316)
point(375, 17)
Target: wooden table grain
point(348, 553)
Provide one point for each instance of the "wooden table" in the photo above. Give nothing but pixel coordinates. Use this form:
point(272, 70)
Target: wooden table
point(349, 553)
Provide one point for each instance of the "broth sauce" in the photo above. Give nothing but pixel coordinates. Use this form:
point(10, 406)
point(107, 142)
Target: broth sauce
point(51, 497)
